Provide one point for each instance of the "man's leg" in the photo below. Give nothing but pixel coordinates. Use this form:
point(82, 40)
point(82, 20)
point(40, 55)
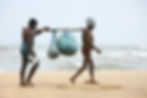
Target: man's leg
point(22, 71)
point(32, 72)
point(79, 71)
point(91, 71)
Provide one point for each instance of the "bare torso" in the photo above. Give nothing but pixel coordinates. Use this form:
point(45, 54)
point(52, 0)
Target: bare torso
point(87, 39)
point(28, 36)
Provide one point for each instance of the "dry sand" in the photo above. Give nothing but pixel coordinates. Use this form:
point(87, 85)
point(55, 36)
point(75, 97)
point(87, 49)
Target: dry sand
point(112, 84)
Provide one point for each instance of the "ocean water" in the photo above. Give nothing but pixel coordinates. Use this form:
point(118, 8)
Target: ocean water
point(112, 58)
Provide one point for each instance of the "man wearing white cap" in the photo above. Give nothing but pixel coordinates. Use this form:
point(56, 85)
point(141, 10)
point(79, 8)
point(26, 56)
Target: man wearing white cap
point(87, 47)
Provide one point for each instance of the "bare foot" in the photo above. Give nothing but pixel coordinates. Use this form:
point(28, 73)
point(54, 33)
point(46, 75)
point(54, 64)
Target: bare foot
point(92, 82)
point(72, 80)
point(30, 84)
point(22, 84)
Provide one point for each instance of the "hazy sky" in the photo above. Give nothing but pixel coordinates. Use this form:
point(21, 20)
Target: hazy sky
point(119, 22)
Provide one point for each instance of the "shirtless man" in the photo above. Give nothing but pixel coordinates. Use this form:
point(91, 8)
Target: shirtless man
point(87, 47)
point(27, 52)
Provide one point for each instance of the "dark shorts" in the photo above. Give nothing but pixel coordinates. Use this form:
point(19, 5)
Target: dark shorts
point(25, 51)
point(86, 51)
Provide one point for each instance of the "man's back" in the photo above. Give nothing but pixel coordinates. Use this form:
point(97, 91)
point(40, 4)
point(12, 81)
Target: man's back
point(28, 36)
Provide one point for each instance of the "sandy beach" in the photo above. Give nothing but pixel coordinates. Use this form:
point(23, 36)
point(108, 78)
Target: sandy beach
point(112, 84)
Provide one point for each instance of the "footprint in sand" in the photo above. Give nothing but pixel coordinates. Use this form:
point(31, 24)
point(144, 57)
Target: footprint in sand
point(62, 86)
point(110, 87)
point(89, 87)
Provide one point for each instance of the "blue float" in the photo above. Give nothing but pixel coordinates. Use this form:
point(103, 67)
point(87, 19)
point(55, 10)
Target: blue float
point(67, 44)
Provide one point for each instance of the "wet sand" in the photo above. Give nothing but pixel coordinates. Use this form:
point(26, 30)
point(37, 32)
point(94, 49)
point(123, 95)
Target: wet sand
point(111, 84)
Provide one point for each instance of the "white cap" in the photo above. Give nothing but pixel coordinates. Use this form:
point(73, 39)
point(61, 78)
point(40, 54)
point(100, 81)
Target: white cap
point(90, 22)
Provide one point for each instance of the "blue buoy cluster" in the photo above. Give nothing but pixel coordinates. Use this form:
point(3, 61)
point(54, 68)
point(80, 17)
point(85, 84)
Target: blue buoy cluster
point(65, 44)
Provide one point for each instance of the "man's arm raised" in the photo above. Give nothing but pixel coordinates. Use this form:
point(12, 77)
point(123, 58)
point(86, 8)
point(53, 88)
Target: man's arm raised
point(45, 29)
